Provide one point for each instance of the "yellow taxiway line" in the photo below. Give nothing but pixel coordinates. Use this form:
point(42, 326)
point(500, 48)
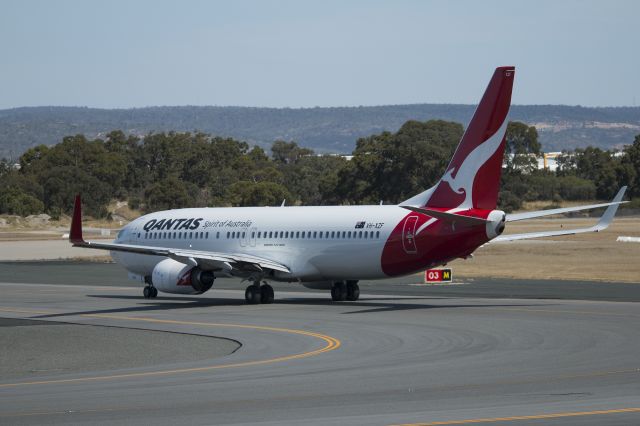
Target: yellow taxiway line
point(532, 417)
point(331, 344)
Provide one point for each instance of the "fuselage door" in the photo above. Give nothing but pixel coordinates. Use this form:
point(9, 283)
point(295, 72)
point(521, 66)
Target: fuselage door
point(243, 237)
point(409, 235)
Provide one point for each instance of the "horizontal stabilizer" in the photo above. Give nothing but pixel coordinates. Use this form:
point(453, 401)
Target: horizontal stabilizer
point(450, 217)
point(541, 213)
point(603, 223)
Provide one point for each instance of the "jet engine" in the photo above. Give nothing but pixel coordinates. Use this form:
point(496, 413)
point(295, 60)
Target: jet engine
point(496, 223)
point(171, 276)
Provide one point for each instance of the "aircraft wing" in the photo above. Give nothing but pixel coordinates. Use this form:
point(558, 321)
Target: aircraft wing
point(207, 260)
point(603, 223)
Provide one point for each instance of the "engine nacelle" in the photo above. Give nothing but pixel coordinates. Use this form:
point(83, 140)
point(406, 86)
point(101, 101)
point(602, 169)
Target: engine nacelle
point(171, 276)
point(496, 224)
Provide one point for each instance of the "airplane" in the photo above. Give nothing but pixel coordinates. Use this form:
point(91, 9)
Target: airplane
point(183, 251)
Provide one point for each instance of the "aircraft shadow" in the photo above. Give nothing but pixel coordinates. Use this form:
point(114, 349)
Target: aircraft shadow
point(363, 306)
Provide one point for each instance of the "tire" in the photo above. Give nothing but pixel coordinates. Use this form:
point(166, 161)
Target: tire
point(252, 295)
point(154, 292)
point(353, 291)
point(266, 294)
point(339, 292)
point(146, 292)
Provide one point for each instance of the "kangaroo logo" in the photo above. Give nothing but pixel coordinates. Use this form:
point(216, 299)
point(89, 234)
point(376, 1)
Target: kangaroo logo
point(462, 182)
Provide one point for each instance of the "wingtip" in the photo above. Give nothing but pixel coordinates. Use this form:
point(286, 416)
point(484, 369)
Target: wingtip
point(610, 212)
point(75, 233)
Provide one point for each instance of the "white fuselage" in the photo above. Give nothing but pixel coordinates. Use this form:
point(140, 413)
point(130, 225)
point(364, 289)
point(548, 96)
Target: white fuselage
point(315, 243)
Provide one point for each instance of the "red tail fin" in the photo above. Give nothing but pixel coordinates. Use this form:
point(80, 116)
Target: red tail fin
point(472, 179)
point(75, 233)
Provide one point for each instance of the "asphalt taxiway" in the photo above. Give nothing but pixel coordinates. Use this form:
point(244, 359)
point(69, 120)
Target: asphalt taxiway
point(402, 355)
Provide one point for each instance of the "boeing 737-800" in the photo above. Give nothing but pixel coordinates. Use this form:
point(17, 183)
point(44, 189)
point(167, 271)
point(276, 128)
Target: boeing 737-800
point(185, 250)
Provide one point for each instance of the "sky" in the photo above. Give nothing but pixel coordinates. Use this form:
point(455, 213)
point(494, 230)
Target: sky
point(302, 53)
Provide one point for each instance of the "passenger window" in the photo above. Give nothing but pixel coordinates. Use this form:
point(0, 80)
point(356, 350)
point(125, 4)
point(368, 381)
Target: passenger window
point(270, 234)
point(302, 234)
point(190, 234)
point(377, 234)
point(314, 234)
point(243, 234)
point(297, 234)
point(360, 234)
point(349, 234)
point(218, 234)
point(253, 234)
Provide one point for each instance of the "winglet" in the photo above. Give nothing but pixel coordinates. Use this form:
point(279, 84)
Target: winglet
point(75, 233)
point(610, 212)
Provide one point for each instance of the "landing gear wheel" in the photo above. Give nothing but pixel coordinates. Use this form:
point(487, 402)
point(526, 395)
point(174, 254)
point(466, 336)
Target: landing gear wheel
point(338, 292)
point(154, 292)
point(146, 292)
point(266, 294)
point(353, 291)
point(252, 294)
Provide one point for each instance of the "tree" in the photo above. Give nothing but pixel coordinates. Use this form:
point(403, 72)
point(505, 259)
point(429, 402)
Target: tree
point(288, 152)
point(247, 193)
point(631, 160)
point(15, 201)
point(601, 168)
point(169, 193)
point(395, 166)
point(521, 148)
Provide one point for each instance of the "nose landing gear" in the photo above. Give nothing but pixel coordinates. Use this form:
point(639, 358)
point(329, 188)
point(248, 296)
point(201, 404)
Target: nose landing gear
point(149, 292)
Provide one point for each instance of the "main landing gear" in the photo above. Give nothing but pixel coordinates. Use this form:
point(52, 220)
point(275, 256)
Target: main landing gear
point(150, 292)
point(341, 291)
point(257, 293)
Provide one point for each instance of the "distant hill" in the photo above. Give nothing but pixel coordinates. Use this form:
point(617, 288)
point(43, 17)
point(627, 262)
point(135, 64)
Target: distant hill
point(323, 129)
